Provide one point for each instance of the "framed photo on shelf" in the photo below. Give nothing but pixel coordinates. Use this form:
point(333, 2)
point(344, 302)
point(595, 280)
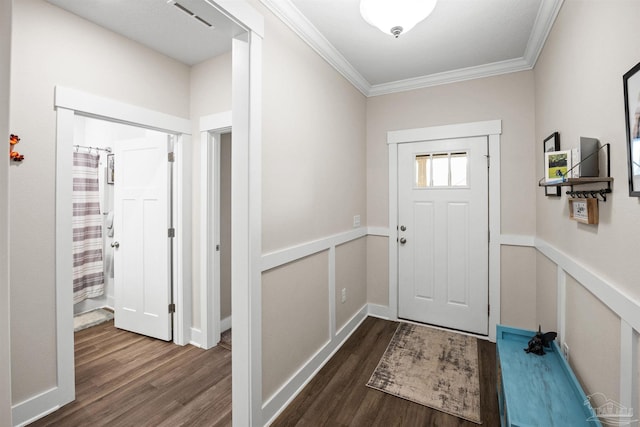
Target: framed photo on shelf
point(551, 144)
point(631, 81)
point(556, 166)
point(584, 210)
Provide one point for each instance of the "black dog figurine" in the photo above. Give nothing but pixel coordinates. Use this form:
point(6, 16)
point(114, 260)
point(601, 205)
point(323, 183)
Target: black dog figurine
point(539, 341)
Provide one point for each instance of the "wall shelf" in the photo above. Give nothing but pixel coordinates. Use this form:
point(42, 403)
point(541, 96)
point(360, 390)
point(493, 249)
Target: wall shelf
point(571, 182)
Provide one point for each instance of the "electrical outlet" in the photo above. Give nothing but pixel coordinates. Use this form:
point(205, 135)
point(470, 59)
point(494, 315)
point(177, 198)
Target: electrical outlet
point(356, 221)
point(565, 351)
point(344, 295)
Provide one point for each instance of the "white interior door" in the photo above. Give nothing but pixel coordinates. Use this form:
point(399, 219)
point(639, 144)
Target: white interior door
point(142, 252)
point(443, 259)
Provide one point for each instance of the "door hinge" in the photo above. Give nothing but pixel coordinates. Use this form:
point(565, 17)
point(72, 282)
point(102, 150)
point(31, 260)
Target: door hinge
point(172, 308)
point(172, 232)
point(172, 157)
point(488, 310)
point(488, 161)
point(489, 236)
point(217, 248)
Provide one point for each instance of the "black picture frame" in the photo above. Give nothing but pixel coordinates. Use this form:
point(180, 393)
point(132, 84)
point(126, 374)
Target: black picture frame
point(631, 83)
point(550, 144)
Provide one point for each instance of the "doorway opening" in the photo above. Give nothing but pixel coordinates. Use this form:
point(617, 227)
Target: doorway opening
point(488, 131)
point(246, 193)
point(74, 107)
point(123, 227)
point(215, 226)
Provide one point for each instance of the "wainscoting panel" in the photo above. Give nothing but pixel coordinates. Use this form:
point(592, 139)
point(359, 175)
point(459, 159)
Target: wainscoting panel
point(339, 252)
point(606, 293)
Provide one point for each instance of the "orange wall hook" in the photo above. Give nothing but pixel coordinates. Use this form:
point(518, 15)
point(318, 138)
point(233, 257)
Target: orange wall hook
point(14, 155)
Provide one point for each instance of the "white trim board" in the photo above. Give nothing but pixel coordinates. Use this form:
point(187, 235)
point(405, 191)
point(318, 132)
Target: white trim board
point(99, 107)
point(610, 295)
point(284, 256)
point(196, 334)
point(492, 130)
point(246, 228)
point(211, 129)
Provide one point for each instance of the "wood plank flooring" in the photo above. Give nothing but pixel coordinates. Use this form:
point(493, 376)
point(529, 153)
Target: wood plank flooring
point(125, 379)
point(338, 396)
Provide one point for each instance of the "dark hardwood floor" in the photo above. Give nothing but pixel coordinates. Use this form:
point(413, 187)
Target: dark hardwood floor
point(125, 379)
point(338, 396)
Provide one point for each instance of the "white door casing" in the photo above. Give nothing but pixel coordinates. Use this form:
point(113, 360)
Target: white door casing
point(491, 129)
point(142, 255)
point(443, 251)
point(211, 129)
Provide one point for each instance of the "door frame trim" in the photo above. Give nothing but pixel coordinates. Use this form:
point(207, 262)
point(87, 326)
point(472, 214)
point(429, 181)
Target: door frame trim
point(211, 129)
point(492, 129)
point(69, 103)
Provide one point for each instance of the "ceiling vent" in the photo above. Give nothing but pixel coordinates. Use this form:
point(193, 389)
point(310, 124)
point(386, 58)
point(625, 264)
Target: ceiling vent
point(193, 15)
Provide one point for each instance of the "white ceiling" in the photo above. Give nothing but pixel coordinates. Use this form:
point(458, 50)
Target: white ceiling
point(162, 26)
point(462, 39)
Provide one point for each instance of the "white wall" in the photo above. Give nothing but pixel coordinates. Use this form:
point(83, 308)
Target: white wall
point(579, 92)
point(509, 98)
point(5, 348)
point(52, 47)
point(313, 181)
point(313, 137)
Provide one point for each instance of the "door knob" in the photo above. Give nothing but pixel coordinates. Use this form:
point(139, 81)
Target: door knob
point(115, 245)
point(403, 228)
point(403, 241)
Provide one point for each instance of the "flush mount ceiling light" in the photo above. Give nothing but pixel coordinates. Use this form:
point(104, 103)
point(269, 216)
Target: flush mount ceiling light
point(395, 16)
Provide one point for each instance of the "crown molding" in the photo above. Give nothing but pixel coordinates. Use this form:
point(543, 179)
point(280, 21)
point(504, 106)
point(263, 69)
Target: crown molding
point(480, 71)
point(547, 15)
point(294, 19)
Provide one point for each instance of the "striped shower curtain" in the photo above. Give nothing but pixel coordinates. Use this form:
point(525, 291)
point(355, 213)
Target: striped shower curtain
point(88, 273)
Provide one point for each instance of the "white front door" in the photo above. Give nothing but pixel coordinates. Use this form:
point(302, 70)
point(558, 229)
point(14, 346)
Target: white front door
point(142, 252)
point(443, 259)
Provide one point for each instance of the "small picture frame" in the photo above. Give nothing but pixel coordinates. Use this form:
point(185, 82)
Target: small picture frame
point(551, 144)
point(631, 83)
point(110, 169)
point(556, 166)
point(584, 210)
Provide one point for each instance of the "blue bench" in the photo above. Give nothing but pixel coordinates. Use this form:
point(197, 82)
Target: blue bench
point(537, 390)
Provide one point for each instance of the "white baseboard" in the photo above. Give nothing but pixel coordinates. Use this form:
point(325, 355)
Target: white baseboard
point(380, 311)
point(42, 404)
point(281, 399)
point(225, 324)
point(196, 337)
point(196, 334)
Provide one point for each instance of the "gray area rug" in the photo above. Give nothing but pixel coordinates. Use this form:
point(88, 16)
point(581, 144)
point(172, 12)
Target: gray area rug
point(91, 318)
point(435, 368)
